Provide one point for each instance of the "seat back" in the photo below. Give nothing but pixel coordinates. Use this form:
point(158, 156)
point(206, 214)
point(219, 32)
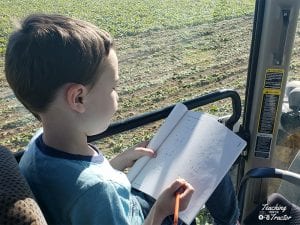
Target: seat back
point(17, 203)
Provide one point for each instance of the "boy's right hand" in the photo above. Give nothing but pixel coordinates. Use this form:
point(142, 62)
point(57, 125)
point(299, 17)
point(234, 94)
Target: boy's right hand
point(166, 201)
point(165, 204)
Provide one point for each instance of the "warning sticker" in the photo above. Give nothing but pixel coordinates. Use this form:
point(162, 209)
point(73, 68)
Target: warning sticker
point(274, 78)
point(263, 146)
point(268, 112)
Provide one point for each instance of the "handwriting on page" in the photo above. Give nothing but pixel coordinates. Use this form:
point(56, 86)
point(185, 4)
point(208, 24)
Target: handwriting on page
point(172, 155)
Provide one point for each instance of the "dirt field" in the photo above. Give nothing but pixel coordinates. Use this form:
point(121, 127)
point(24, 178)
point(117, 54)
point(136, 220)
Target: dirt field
point(159, 68)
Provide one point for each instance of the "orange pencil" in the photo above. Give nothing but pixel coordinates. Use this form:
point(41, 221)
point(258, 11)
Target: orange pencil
point(176, 209)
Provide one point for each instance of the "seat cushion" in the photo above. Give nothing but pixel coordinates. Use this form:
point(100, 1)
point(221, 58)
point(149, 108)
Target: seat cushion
point(17, 203)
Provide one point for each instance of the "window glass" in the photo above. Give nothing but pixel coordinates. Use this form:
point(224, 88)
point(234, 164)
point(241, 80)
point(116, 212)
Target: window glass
point(169, 51)
point(288, 135)
point(287, 154)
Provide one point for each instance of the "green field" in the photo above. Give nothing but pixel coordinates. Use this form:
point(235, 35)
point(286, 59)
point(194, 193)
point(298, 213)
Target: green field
point(126, 17)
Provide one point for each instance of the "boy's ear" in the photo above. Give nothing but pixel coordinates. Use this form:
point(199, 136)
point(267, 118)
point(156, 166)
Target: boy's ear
point(75, 95)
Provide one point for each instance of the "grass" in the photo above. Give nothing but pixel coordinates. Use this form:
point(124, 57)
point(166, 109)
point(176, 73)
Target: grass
point(126, 17)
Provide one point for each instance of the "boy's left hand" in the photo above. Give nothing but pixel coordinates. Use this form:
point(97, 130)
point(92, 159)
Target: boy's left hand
point(127, 158)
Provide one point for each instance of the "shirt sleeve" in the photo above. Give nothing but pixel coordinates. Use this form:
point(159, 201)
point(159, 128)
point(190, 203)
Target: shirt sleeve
point(101, 204)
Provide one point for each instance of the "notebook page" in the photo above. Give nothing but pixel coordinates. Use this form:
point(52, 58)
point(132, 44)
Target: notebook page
point(172, 120)
point(200, 150)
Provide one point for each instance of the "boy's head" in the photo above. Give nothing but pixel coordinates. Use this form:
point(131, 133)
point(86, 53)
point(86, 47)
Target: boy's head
point(49, 51)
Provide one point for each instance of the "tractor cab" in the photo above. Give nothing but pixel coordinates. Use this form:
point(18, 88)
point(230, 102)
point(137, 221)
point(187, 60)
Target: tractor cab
point(249, 80)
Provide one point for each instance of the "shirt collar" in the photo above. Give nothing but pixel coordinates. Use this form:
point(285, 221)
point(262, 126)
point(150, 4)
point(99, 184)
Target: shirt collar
point(50, 151)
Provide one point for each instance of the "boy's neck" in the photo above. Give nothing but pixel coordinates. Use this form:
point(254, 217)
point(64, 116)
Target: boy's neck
point(69, 143)
point(67, 138)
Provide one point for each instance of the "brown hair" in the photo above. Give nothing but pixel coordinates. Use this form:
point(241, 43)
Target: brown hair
point(48, 51)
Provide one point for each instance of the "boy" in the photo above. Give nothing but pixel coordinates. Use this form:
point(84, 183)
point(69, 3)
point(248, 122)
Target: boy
point(65, 72)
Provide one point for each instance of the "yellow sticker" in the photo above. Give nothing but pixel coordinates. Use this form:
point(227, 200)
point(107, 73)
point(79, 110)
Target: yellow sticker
point(273, 70)
point(269, 91)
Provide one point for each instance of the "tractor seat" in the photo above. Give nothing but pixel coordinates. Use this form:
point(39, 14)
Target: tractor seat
point(17, 203)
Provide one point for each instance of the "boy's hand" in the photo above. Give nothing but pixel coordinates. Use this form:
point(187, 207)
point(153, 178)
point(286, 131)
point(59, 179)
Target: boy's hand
point(127, 158)
point(164, 206)
point(166, 201)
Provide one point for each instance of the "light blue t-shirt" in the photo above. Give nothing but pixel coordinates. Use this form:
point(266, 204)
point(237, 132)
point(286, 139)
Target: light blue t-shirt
point(79, 190)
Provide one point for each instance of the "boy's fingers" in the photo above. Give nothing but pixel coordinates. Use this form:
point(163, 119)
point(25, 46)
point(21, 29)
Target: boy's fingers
point(186, 196)
point(187, 191)
point(177, 184)
point(145, 151)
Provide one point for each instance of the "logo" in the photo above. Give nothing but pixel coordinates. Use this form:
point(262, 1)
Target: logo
point(275, 212)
